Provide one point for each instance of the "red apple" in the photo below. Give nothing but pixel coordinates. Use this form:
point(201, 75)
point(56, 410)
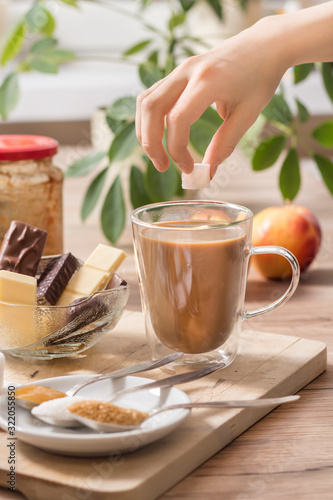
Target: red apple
point(292, 227)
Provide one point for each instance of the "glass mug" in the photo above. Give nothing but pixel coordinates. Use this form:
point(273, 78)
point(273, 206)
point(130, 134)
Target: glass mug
point(192, 259)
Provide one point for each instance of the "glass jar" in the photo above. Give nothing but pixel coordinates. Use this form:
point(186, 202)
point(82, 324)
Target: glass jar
point(31, 186)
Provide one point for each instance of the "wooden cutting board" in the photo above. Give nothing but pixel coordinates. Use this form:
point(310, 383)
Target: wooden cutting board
point(268, 365)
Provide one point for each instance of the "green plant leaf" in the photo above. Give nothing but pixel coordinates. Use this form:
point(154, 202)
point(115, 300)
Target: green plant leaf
point(9, 95)
point(39, 20)
point(59, 55)
point(44, 65)
point(138, 47)
point(114, 125)
point(23, 67)
point(72, 3)
point(187, 4)
point(45, 52)
point(188, 51)
point(48, 62)
point(180, 191)
point(211, 116)
point(149, 73)
point(290, 177)
point(113, 214)
point(138, 193)
point(216, 5)
point(124, 143)
point(85, 165)
point(201, 134)
point(93, 193)
point(43, 45)
point(325, 167)
point(252, 138)
point(145, 3)
point(13, 44)
point(324, 134)
point(302, 71)
point(176, 20)
point(202, 131)
point(268, 152)
point(170, 63)
point(327, 71)
point(303, 113)
point(161, 186)
point(278, 110)
point(153, 57)
point(122, 109)
point(243, 4)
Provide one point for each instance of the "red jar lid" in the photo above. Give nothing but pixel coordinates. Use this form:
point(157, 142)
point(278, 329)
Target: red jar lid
point(26, 147)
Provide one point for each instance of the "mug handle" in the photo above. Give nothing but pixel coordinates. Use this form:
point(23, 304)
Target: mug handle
point(293, 283)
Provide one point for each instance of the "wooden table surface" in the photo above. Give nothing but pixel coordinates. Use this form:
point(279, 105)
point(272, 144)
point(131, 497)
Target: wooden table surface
point(289, 453)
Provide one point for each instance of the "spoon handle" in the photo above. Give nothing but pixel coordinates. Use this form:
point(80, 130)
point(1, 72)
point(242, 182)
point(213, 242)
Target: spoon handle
point(253, 403)
point(181, 378)
point(250, 403)
point(122, 372)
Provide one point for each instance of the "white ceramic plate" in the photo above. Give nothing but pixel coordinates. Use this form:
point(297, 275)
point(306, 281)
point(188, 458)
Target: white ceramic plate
point(86, 442)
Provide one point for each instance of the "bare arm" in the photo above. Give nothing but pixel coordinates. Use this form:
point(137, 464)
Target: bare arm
point(240, 76)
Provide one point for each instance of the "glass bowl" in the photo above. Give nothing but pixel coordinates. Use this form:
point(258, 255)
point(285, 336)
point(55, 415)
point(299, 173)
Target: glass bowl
point(48, 332)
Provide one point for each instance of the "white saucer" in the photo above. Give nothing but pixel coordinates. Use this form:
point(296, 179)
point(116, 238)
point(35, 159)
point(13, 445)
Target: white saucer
point(88, 443)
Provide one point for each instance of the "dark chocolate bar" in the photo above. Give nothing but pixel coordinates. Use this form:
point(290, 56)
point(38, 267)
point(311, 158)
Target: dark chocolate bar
point(115, 281)
point(55, 277)
point(22, 248)
point(87, 310)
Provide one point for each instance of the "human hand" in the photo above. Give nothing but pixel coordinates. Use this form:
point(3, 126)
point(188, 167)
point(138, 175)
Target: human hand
point(240, 76)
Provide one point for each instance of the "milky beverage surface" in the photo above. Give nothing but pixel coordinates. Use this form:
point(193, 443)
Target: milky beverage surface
point(194, 284)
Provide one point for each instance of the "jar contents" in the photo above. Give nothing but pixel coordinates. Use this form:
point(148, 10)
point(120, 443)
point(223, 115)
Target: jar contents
point(108, 413)
point(31, 186)
point(38, 393)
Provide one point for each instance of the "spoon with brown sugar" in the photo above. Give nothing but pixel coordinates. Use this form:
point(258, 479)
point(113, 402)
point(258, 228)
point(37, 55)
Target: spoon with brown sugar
point(104, 416)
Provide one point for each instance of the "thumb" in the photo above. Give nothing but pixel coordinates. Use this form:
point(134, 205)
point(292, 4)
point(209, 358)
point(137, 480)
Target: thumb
point(226, 138)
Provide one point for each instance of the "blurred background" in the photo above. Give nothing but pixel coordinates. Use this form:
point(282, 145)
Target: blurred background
point(64, 104)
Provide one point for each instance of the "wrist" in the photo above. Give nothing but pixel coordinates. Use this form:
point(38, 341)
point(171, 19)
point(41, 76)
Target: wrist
point(300, 37)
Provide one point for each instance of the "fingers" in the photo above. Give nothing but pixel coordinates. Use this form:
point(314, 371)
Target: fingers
point(193, 101)
point(182, 99)
point(182, 103)
point(227, 136)
point(152, 106)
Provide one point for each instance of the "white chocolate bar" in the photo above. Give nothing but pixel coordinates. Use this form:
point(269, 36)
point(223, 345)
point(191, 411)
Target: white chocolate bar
point(17, 323)
point(94, 275)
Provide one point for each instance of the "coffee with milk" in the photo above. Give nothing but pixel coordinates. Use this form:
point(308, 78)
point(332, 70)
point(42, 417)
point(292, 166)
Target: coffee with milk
point(194, 286)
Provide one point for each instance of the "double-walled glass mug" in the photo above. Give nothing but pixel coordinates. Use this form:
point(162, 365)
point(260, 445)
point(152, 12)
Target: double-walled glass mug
point(192, 260)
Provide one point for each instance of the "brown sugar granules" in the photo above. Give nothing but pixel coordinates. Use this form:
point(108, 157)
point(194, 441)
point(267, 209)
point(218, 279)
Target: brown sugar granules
point(106, 412)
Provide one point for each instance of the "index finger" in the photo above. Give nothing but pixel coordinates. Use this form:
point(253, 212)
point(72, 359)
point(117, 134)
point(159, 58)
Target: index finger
point(190, 105)
point(152, 107)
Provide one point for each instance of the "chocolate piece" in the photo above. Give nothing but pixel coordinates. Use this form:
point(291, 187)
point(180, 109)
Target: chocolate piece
point(55, 277)
point(22, 248)
point(87, 310)
point(89, 318)
point(115, 281)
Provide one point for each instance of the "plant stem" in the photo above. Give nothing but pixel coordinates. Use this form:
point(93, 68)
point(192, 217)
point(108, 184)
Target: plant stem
point(308, 151)
point(283, 128)
point(103, 58)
